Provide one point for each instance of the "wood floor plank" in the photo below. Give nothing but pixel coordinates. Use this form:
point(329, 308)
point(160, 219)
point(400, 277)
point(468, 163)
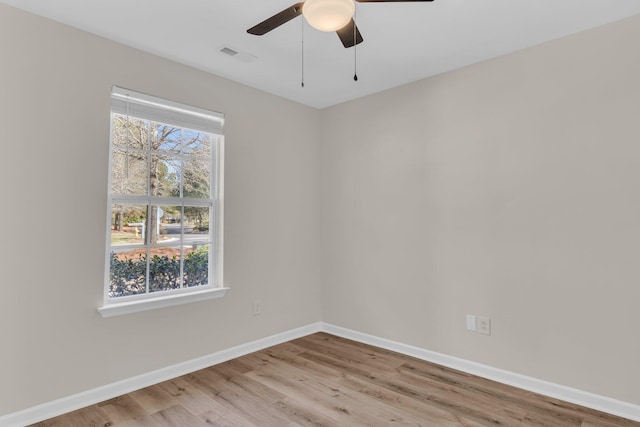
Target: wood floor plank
point(122, 408)
point(152, 399)
point(362, 357)
point(319, 393)
point(240, 394)
point(305, 388)
point(334, 384)
point(544, 412)
point(430, 415)
point(225, 419)
point(172, 416)
point(91, 416)
point(323, 380)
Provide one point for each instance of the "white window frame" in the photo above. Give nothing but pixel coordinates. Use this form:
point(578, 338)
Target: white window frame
point(143, 106)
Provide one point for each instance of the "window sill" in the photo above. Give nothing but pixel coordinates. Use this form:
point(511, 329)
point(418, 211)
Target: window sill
point(118, 309)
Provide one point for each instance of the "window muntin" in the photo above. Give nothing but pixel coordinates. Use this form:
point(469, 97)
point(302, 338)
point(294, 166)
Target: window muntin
point(165, 218)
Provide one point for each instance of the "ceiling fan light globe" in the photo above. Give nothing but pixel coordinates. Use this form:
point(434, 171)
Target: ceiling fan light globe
point(328, 15)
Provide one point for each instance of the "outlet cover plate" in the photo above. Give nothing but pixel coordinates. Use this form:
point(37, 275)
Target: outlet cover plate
point(257, 307)
point(483, 324)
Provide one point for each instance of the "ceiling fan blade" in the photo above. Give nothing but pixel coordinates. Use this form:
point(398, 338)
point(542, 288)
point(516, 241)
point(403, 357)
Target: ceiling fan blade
point(276, 20)
point(387, 1)
point(346, 35)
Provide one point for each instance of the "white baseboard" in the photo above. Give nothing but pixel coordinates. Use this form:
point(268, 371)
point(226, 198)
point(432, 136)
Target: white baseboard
point(109, 391)
point(568, 394)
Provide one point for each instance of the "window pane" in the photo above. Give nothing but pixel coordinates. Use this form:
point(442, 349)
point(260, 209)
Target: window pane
point(164, 225)
point(128, 224)
point(164, 268)
point(165, 176)
point(167, 138)
point(170, 218)
point(130, 132)
point(196, 265)
point(196, 225)
point(127, 272)
point(128, 172)
point(196, 143)
point(197, 177)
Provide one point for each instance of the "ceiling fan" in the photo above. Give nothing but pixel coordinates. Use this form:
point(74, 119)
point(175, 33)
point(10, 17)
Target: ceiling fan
point(323, 15)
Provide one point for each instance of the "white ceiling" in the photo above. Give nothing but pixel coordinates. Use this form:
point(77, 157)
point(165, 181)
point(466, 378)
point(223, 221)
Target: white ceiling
point(403, 42)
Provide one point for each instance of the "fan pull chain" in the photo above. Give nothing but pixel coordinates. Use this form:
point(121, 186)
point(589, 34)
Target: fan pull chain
point(302, 51)
point(355, 47)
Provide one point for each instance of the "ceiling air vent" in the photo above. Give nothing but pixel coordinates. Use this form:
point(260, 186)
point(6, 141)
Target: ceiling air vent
point(237, 54)
point(229, 51)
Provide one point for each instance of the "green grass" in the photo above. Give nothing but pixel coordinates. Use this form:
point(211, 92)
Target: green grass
point(125, 237)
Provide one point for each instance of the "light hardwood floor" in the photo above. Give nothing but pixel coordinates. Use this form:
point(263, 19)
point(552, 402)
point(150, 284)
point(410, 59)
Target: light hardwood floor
point(323, 380)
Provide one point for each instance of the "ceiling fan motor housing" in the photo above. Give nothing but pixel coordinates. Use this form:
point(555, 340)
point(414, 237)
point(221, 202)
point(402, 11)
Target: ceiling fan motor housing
point(328, 15)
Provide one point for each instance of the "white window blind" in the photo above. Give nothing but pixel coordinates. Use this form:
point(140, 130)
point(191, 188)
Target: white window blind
point(136, 104)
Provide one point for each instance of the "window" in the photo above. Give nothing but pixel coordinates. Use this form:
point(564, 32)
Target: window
point(164, 237)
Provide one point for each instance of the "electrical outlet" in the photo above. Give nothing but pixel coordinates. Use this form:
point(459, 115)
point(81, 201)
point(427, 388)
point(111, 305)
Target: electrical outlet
point(483, 324)
point(471, 322)
point(257, 307)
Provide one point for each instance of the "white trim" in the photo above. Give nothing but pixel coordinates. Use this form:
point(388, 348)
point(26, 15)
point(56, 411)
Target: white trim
point(568, 394)
point(218, 211)
point(109, 391)
point(119, 308)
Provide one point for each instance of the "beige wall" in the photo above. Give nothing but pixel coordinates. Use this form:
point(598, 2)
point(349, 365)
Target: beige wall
point(55, 85)
point(508, 189)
